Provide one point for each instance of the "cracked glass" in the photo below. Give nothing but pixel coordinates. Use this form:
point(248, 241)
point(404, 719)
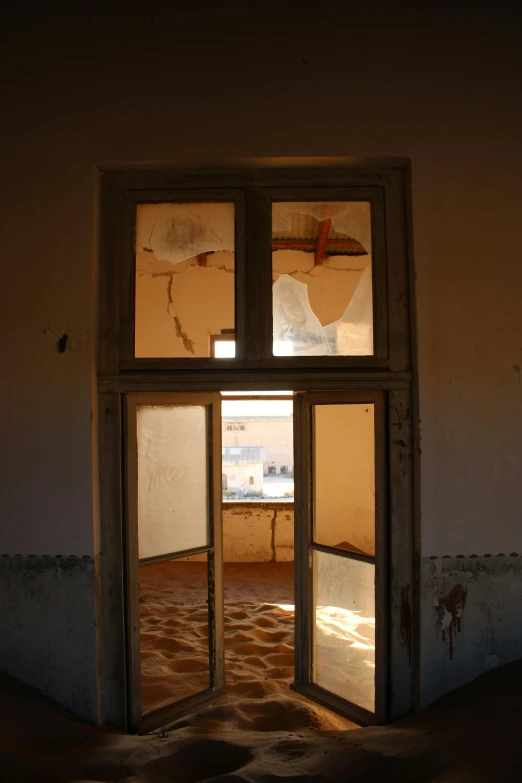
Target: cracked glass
point(184, 279)
point(322, 278)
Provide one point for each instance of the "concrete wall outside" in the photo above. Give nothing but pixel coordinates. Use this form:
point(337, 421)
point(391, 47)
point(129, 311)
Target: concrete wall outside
point(257, 533)
point(95, 88)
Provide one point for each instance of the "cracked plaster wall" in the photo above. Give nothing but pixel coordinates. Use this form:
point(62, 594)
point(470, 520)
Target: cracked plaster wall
point(70, 106)
point(179, 307)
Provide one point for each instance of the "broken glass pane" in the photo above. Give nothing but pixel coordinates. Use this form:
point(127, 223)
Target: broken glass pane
point(184, 286)
point(322, 279)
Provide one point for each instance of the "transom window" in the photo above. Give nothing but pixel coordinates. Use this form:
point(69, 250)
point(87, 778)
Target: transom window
point(256, 276)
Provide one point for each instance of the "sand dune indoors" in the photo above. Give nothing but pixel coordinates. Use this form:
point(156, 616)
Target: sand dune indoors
point(259, 634)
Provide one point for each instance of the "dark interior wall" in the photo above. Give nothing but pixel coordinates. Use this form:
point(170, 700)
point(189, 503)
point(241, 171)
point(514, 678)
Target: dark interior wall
point(88, 85)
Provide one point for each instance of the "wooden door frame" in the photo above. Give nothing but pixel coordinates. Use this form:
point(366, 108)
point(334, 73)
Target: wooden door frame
point(397, 378)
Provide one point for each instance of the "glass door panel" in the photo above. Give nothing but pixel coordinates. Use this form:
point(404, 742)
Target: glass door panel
point(342, 554)
point(175, 602)
point(173, 513)
point(344, 477)
point(344, 628)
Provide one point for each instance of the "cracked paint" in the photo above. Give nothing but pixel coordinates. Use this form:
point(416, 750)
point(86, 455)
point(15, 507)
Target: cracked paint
point(188, 344)
point(200, 298)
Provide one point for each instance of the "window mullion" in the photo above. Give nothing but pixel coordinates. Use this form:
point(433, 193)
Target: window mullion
point(258, 277)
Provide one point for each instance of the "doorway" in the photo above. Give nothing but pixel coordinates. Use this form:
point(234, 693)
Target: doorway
point(262, 278)
point(258, 543)
point(226, 601)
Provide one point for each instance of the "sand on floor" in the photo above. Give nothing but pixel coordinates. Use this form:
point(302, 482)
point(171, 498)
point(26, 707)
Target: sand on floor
point(259, 637)
point(261, 731)
point(469, 736)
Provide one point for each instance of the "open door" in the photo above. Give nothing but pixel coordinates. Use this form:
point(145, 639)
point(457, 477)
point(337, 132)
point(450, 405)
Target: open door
point(341, 553)
point(173, 467)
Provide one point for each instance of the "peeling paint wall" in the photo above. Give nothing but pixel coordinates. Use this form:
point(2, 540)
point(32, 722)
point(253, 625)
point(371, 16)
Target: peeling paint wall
point(48, 628)
point(470, 619)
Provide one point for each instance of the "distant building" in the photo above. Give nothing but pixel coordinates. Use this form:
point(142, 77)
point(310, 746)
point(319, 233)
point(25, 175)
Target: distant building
point(272, 433)
point(242, 470)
